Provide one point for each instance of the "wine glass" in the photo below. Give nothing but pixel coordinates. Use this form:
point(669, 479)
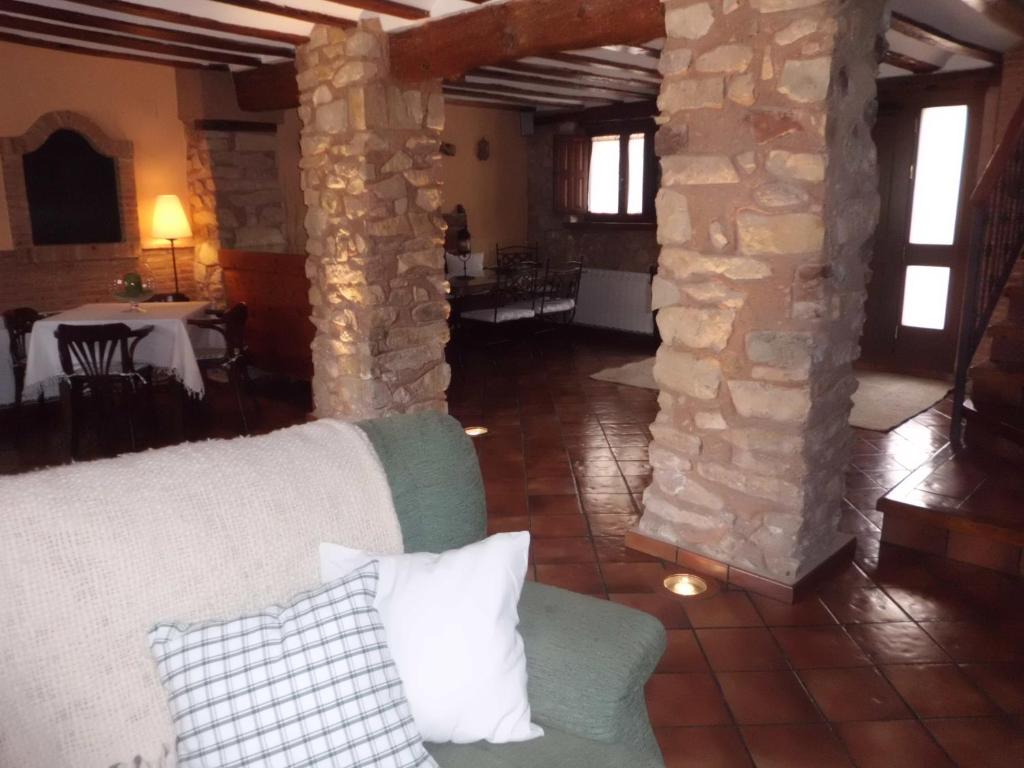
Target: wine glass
point(134, 288)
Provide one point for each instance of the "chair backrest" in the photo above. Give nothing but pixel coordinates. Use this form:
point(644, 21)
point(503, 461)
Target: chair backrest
point(519, 283)
point(517, 255)
point(90, 351)
point(234, 320)
point(166, 298)
point(19, 324)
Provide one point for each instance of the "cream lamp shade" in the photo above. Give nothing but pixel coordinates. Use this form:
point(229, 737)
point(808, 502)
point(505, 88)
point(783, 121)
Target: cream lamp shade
point(169, 220)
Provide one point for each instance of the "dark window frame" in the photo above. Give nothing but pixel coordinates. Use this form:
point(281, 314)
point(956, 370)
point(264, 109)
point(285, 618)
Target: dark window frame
point(652, 175)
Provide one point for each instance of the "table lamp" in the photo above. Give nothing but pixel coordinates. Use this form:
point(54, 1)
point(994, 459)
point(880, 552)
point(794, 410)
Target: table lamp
point(170, 223)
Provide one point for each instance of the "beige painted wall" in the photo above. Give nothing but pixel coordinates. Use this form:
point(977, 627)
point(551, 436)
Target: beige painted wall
point(127, 100)
point(493, 191)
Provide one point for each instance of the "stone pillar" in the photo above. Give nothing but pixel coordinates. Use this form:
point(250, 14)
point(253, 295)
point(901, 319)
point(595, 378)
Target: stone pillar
point(767, 207)
point(371, 174)
point(235, 197)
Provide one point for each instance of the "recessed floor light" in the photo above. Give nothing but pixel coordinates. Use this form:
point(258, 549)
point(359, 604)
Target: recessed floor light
point(686, 584)
point(476, 431)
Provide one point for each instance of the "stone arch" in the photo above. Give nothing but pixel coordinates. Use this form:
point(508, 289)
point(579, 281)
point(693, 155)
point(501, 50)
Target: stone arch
point(13, 148)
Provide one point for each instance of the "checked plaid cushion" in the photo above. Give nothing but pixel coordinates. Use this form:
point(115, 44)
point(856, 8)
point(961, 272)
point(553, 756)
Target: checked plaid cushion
point(309, 683)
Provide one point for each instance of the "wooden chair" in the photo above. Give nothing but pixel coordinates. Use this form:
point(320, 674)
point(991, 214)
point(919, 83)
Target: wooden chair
point(18, 323)
point(98, 361)
point(233, 360)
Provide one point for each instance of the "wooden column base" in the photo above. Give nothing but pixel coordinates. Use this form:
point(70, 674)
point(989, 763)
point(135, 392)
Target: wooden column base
point(737, 577)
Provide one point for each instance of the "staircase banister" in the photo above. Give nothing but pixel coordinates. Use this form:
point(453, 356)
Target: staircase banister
point(1004, 152)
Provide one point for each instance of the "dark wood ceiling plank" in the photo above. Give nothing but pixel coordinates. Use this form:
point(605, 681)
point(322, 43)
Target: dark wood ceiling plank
point(938, 39)
point(142, 30)
point(35, 42)
point(452, 45)
point(510, 89)
point(484, 103)
point(563, 83)
point(585, 60)
point(288, 11)
point(188, 20)
point(121, 41)
point(496, 98)
point(560, 72)
point(467, 89)
point(909, 63)
point(387, 8)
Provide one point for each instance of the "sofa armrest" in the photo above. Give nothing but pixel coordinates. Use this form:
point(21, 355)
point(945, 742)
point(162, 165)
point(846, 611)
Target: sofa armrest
point(588, 661)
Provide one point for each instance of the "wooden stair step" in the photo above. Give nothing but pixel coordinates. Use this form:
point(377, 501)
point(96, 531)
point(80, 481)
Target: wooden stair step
point(995, 385)
point(963, 492)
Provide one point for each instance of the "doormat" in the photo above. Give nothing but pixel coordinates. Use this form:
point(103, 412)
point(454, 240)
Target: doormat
point(882, 402)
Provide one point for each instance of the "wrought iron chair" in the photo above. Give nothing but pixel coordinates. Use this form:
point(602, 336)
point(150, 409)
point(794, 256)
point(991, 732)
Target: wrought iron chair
point(517, 256)
point(232, 362)
point(561, 289)
point(99, 361)
point(18, 323)
point(513, 300)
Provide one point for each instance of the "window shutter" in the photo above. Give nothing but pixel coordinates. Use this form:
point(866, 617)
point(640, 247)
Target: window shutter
point(572, 171)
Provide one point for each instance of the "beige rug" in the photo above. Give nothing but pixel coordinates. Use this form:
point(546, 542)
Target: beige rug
point(882, 401)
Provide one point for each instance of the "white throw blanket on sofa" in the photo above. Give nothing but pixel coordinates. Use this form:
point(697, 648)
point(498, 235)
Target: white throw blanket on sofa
point(92, 555)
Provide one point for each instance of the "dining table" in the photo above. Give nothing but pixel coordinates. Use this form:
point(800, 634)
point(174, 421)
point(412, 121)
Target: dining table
point(172, 345)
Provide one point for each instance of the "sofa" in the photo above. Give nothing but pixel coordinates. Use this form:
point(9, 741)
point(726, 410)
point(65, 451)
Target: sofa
point(588, 659)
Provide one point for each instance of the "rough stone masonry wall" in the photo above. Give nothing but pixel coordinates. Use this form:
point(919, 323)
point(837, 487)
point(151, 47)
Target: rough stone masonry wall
point(626, 249)
point(371, 171)
point(235, 198)
point(768, 202)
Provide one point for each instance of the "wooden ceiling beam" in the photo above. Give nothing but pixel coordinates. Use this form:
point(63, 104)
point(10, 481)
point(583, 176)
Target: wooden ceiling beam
point(563, 83)
point(143, 30)
point(909, 63)
point(450, 46)
point(526, 92)
point(1006, 13)
point(188, 20)
point(121, 41)
point(938, 39)
point(560, 72)
point(272, 86)
point(466, 102)
point(386, 8)
point(289, 12)
point(605, 64)
point(499, 98)
point(35, 42)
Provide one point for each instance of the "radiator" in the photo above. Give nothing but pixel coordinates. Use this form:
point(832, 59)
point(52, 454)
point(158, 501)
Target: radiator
point(612, 299)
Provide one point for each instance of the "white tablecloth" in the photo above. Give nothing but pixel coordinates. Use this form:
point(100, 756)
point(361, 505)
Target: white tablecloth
point(170, 345)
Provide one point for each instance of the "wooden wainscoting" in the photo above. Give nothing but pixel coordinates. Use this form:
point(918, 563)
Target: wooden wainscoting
point(275, 287)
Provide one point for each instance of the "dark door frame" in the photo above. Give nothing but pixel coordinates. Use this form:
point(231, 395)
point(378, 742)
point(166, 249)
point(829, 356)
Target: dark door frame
point(909, 95)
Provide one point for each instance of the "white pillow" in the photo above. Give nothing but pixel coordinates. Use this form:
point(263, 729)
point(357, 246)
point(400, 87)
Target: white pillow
point(450, 621)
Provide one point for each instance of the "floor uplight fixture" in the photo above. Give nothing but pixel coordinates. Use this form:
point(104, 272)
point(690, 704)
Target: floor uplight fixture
point(686, 584)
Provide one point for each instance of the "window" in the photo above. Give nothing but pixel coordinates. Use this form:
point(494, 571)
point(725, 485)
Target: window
point(607, 176)
point(925, 296)
point(937, 173)
point(618, 169)
point(72, 192)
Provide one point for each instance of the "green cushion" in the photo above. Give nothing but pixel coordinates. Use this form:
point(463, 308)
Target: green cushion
point(587, 662)
point(556, 749)
point(435, 480)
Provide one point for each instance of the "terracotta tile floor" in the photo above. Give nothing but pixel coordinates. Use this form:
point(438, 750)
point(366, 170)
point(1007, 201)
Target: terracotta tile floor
point(901, 661)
